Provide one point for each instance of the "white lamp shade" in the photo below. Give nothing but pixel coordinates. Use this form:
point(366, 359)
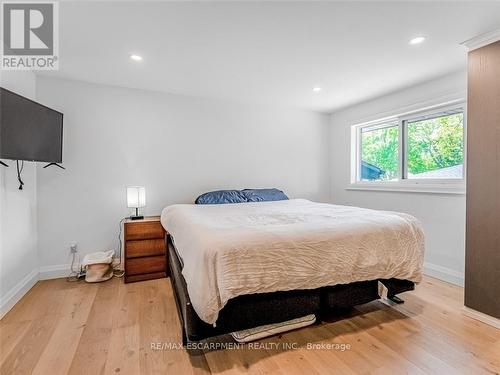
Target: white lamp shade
point(136, 196)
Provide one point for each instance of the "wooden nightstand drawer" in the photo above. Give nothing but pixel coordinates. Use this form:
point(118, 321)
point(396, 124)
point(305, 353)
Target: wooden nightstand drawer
point(145, 251)
point(143, 230)
point(142, 248)
point(137, 266)
point(145, 276)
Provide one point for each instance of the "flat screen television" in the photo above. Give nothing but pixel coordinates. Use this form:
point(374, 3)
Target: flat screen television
point(28, 130)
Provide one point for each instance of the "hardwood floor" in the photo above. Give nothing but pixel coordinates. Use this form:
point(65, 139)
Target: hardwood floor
point(61, 327)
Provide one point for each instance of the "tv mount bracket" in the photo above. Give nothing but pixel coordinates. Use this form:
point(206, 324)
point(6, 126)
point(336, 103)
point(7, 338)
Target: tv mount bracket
point(48, 165)
point(55, 164)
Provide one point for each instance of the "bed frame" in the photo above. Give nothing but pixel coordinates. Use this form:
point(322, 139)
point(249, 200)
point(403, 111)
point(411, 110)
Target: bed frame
point(254, 310)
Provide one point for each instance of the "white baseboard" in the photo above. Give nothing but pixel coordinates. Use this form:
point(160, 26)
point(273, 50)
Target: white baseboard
point(54, 272)
point(445, 274)
point(13, 296)
point(490, 320)
point(63, 270)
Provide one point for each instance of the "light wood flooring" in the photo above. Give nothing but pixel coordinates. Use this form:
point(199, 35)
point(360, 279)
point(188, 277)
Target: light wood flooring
point(63, 327)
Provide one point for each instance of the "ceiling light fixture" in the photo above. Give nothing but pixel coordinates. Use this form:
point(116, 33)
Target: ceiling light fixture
point(417, 40)
point(317, 89)
point(136, 57)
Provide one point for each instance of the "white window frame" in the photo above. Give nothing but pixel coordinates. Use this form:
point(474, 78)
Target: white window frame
point(449, 186)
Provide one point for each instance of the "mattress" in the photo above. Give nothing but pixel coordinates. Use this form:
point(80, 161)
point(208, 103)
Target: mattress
point(237, 249)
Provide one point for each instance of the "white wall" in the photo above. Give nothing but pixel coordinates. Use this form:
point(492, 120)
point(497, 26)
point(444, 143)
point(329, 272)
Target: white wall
point(176, 146)
point(443, 216)
point(18, 217)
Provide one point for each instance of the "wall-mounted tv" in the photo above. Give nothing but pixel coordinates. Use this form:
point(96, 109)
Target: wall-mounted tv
point(28, 130)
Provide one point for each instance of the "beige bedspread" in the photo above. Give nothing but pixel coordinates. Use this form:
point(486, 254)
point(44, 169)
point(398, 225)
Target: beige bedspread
point(230, 250)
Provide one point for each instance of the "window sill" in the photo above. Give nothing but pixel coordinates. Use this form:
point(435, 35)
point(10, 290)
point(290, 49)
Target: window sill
point(454, 189)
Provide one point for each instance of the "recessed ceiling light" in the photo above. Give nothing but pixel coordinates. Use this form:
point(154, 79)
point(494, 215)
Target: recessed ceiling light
point(317, 89)
point(136, 57)
point(417, 40)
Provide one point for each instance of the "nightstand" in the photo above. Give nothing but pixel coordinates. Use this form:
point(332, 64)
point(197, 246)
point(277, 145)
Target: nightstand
point(145, 251)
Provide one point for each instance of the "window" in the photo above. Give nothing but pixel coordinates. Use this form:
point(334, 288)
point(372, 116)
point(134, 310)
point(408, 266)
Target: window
point(379, 152)
point(425, 147)
point(435, 146)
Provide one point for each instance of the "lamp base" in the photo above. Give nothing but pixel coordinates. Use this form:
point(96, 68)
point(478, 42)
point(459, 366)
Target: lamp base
point(135, 217)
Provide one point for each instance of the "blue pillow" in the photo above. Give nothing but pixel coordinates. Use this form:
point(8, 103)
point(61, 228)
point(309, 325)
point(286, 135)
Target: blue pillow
point(264, 195)
point(221, 197)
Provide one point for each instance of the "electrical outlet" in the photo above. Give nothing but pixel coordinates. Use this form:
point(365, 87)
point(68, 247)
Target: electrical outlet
point(73, 247)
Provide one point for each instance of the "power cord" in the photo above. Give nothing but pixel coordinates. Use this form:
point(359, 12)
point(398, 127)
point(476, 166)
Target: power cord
point(19, 171)
point(120, 226)
point(73, 275)
point(117, 271)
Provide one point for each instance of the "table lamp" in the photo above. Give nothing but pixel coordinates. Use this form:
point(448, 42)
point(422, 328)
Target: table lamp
point(136, 198)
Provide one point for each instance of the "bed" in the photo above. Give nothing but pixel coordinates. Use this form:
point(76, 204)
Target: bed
point(241, 265)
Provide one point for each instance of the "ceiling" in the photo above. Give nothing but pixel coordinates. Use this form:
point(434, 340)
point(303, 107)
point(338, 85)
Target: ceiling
point(268, 52)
